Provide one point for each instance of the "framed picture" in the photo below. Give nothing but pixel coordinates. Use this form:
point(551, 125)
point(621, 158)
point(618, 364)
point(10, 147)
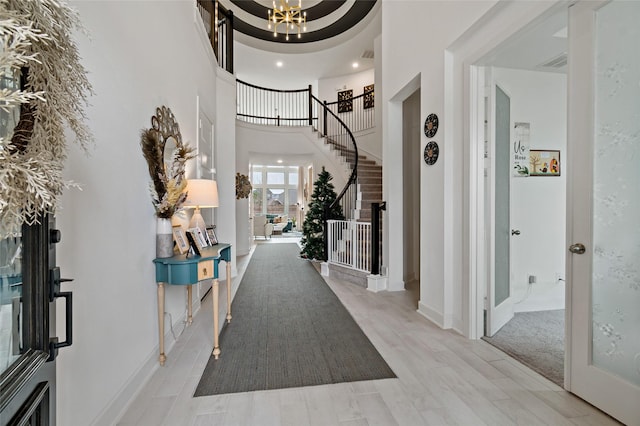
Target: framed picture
point(369, 96)
point(345, 101)
point(193, 242)
point(211, 234)
point(200, 237)
point(544, 162)
point(180, 237)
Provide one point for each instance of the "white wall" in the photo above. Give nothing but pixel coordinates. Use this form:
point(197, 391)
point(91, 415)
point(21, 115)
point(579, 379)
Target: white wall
point(141, 55)
point(413, 54)
point(369, 141)
point(538, 204)
point(328, 88)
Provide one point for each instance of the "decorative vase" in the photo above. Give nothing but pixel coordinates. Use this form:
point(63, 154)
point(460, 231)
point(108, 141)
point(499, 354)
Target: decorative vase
point(164, 238)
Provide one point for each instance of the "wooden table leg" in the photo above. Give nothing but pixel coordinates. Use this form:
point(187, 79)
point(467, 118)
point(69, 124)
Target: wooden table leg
point(162, 358)
point(216, 346)
point(228, 292)
point(189, 293)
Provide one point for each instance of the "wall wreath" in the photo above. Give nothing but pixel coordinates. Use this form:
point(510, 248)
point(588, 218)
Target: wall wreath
point(45, 91)
point(243, 186)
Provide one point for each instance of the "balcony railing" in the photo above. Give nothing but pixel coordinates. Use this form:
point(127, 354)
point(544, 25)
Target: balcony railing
point(275, 107)
point(218, 22)
point(357, 113)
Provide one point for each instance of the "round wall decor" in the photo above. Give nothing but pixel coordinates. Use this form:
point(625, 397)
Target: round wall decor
point(431, 125)
point(431, 152)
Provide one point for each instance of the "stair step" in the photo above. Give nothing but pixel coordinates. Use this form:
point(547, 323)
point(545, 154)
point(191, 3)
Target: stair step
point(367, 168)
point(369, 179)
point(370, 187)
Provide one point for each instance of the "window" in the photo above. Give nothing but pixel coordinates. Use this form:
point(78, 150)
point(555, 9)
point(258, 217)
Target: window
point(275, 190)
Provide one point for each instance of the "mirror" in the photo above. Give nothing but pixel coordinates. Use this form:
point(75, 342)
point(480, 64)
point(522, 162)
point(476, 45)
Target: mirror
point(168, 131)
point(166, 157)
point(170, 148)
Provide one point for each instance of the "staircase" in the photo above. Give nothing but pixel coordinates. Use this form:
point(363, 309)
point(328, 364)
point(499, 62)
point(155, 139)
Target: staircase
point(369, 186)
point(350, 237)
point(369, 190)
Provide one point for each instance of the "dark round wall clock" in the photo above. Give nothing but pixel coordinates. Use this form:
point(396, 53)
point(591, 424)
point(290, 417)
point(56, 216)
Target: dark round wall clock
point(431, 125)
point(431, 152)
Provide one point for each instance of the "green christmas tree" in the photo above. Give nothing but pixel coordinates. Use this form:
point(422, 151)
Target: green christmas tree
point(313, 228)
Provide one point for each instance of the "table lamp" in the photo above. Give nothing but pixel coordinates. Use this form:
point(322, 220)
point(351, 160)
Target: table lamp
point(201, 193)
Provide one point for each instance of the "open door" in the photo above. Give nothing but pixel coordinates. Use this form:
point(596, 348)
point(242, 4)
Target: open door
point(499, 303)
point(604, 206)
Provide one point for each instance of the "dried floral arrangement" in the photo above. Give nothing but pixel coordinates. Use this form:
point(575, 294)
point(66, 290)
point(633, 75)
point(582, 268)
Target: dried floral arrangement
point(167, 180)
point(50, 94)
point(243, 186)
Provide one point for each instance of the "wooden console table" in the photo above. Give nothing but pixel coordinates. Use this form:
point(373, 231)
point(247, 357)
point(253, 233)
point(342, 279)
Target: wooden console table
point(182, 270)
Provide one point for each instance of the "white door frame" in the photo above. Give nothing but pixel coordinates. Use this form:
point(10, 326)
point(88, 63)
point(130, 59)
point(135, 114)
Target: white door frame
point(502, 22)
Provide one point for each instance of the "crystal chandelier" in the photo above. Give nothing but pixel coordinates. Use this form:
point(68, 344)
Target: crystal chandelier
point(291, 16)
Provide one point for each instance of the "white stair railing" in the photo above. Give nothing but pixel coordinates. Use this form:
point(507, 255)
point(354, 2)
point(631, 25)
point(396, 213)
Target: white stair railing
point(349, 244)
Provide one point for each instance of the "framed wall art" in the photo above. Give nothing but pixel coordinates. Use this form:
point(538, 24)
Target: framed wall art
point(345, 101)
point(369, 97)
point(544, 162)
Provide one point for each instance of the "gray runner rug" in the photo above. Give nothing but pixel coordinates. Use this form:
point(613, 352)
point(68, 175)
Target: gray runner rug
point(288, 330)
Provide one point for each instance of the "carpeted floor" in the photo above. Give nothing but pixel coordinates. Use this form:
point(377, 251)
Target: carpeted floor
point(288, 330)
point(536, 339)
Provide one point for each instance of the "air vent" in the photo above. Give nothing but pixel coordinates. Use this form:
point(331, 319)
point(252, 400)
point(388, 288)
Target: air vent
point(367, 54)
point(557, 62)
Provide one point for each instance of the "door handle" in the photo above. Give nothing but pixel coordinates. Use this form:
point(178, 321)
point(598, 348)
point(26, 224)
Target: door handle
point(515, 232)
point(54, 292)
point(577, 248)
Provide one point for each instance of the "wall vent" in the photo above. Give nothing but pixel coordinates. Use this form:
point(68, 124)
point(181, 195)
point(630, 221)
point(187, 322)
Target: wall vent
point(556, 62)
point(367, 54)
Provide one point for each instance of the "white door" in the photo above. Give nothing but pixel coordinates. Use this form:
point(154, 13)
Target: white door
point(499, 301)
point(603, 210)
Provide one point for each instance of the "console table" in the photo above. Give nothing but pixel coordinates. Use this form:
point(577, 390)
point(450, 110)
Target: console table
point(183, 270)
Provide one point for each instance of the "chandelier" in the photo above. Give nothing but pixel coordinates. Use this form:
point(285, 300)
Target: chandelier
point(291, 16)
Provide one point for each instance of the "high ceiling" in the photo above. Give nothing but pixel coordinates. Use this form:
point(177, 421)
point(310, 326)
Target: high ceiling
point(324, 19)
point(339, 33)
point(263, 60)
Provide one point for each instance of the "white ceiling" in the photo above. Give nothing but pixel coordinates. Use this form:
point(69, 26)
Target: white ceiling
point(534, 46)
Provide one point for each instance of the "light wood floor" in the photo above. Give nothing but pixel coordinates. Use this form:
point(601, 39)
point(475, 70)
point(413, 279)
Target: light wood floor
point(443, 379)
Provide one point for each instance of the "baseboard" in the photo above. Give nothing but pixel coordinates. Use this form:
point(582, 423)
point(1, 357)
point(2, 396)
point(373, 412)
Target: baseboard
point(430, 314)
point(126, 395)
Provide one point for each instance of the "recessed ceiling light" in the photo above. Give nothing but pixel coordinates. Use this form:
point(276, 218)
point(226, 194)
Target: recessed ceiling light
point(279, 64)
point(279, 161)
point(355, 65)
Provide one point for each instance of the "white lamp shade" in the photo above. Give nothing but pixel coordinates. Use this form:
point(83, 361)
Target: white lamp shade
point(201, 193)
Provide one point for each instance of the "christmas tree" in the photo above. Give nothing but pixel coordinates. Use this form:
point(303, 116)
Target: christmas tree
point(313, 228)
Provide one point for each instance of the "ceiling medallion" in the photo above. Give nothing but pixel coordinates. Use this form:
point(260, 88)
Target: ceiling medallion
point(291, 16)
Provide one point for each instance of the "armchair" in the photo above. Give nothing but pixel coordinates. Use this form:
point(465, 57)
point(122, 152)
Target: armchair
point(262, 228)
